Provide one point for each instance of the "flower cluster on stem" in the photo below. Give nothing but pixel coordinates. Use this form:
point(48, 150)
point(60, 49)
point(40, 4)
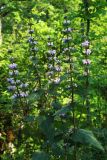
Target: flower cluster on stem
point(16, 87)
point(86, 62)
point(32, 43)
point(54, 64)
point(33, 56)
point(68, 49)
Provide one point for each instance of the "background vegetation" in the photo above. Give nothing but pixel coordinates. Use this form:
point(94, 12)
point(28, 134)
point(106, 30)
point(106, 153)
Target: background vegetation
point(53, 80)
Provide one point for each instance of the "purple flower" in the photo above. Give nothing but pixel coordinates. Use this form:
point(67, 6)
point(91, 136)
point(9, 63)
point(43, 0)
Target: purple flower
point(11, 88)
point(66, 49)
point(35, 42)
point(23, 94)
point(11, 73)
point(23, 85)
point(13, 66)
point(16, 72)
point(66, 22)
point(50, 58)
point(57, 60)
point(31, 57)
point(50, 73)
point(85, 44)
point(75, 85)
point(88, 51)
point(11, 80)
point(50, 43)
point(50, 66)
point(68, 30)
point(65, 40)
point(17, 81)
point(58, 69)
point(34, 49)
point(86, 73)
point(69, 49)
point(57, 80)
point(52, 52)
point(30, 40)
point(86, 61)
point(31, 31)
point(14, 96)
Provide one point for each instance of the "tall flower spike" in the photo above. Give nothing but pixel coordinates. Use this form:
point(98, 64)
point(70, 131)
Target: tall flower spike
point(18, 90)
point(13, 78)
point(87, 52)
point(53, 66)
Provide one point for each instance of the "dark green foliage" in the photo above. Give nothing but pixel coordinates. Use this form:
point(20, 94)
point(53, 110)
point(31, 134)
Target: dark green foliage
point(61, 114)
point(40, 156)
point(86, 137)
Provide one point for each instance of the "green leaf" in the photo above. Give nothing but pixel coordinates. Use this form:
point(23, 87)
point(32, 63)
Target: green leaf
point(30, 118)
point(47, 127)
point(86, 137)
point(56, 105)
point(40, 156)
point(63, 110)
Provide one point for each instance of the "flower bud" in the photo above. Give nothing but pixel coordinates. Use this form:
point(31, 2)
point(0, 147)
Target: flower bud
point(11, 88)
point(85, 44)
point(87, 51)
point(13, 66)
point(86, 61)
